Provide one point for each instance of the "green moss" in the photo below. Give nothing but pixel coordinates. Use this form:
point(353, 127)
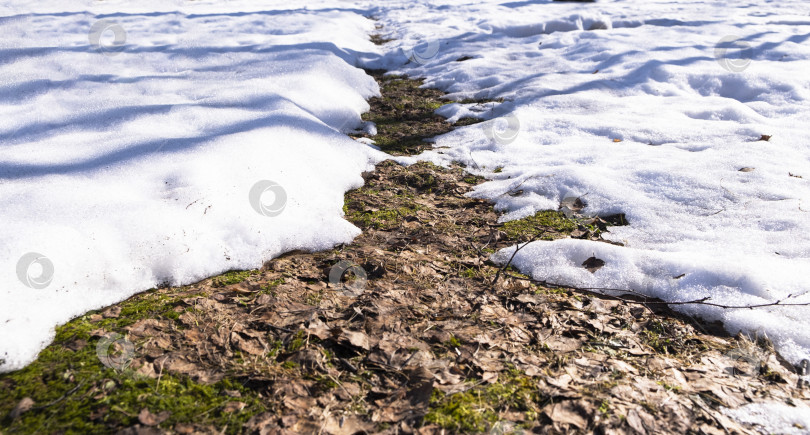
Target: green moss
point(270, 287)
point(468, 272)
point(552, 291)
point(453, 342)
point(384, 219)
point(297, 341)
point(470, 179)
point(87, 397)
point(233, 277)
point(275, 349)
point(604, 408)
point(478, 408)
point(537, 224)
point(356, 210)
point(148, 305)
point(669, 387)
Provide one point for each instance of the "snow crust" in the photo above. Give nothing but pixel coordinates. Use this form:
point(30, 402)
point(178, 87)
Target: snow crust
point(649, 108)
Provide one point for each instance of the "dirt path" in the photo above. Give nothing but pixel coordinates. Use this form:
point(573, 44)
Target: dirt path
point(413, 337)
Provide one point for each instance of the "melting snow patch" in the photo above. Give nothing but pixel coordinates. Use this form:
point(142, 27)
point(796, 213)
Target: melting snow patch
point(773, 417)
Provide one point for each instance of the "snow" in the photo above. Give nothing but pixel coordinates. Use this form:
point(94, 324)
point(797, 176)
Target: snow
point(134, 165)
point(648, 108)
point(773, 417)
point(129, 155)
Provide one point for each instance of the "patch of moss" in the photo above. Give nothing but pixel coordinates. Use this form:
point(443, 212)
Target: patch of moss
point(313, 298)
point(75, 393)
point(470, 179)
point(150, 304)
point(383, 219)
point(453, 342)
point(233, 277)
point(537, 224)
point(477, 409)
point(290, 365)
point(297, 342)
point(270, 287)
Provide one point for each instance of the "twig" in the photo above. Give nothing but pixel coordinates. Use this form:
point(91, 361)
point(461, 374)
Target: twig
point(72, 390)
point(162, 363)
point(700, 301)
point(517, 248)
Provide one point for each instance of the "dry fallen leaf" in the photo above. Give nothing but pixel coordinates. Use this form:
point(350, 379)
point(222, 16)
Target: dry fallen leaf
point(24, 406)
point(112, 312)
point(355, 338)
point(149, 419)
point(232, 407)
point(593, 264)
point(568, 412)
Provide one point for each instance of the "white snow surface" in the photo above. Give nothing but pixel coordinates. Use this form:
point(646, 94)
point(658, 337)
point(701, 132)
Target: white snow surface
point(644, 107)
point(131, 166)
point(773, 417)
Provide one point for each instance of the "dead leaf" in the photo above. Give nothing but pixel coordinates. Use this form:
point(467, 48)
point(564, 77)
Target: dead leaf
point(593, 264)
point(489, 377)
point(346, 425)
point(232, 407)
point(22, 407)
point(253, 346)
point(112, 312)
point(569, 413)
point(148, 418)
point(445, 377)
point(355, 338)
